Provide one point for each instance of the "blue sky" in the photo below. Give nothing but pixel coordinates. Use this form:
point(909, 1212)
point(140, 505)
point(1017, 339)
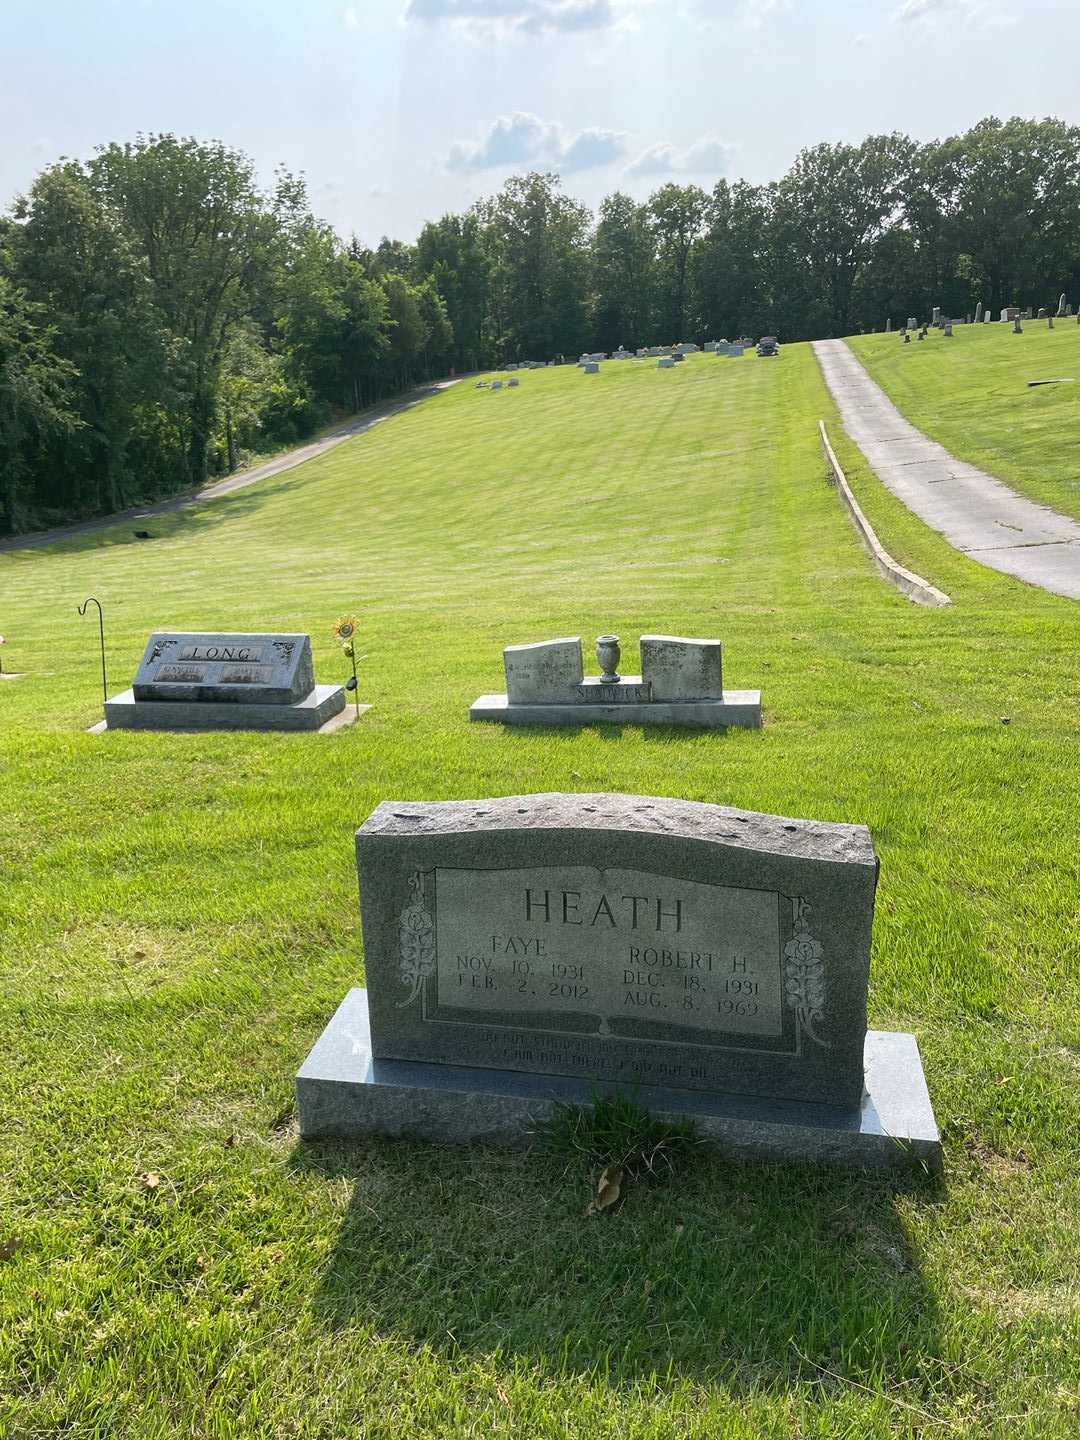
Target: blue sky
point(398, 110)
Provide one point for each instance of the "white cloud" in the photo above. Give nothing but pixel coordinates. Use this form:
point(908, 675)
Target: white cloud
point(922, 9)
point(533, 17)
point(524, 139)
point(351, 17)
point(704, 157)
point(973, 14)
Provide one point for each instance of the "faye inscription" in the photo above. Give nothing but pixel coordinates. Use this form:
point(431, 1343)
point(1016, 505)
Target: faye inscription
point(533, 947)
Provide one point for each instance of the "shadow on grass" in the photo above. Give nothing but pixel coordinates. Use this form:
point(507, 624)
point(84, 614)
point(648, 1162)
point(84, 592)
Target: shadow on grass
point(743, 1275)
point(177, 518)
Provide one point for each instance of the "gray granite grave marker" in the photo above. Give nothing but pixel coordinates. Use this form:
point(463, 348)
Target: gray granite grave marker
point(200, 680)
point(680, 669)
point(543, 671)
point(530, 949)
point(680, 684)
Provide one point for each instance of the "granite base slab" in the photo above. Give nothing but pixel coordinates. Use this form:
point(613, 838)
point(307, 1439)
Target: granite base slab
point(738, 707)
point(343, 1092)
point(313, 712)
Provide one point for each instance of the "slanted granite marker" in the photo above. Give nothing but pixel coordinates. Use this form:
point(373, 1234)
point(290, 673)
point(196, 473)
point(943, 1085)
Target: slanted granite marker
point(540, 948)
point(680, 684)
point(196, 680)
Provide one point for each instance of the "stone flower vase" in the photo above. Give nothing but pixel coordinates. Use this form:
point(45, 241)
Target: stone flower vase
point(608, 655)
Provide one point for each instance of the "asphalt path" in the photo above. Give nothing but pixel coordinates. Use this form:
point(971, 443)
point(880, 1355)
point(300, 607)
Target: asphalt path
point(288, 461)
point(974, 512)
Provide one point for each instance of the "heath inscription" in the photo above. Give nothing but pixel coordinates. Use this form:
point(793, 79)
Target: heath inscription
point(609, 944)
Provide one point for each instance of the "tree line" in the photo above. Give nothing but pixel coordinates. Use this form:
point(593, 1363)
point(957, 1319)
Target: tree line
point(162, 316)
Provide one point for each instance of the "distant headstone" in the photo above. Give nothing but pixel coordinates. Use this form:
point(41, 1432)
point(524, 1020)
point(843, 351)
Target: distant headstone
point(591, 367)
point(1049, 322)
point(907, 338)
point(234, 681)
point(680, 684)
point(496, 385)
point(1061, 304)
point(1043, 313)
point(946, 329)
point(514, 381)
point(1018, 329)
point(888, 326)
point(678, 669)
point(665, 363)
point(533, 949)
point(935, 318)
point(912, 323)
point(678, 357)
point(543, 672)
point(979, 313)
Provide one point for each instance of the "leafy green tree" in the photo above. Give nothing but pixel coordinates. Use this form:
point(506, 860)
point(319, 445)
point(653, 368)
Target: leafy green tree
point(676, 214)
point(202, 225)
point(35, 386)
point(539, 240)
point(833, 207)
point(76, 260)
point(623, 274)
point(438, 347)
point(732, 264)
point(1012, 191)
point(453, 252)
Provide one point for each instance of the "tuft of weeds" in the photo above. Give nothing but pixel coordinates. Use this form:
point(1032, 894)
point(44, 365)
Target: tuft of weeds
point(616, 1132)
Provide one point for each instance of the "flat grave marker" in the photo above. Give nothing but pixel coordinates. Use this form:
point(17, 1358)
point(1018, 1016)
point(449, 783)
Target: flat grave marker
point(200, 680)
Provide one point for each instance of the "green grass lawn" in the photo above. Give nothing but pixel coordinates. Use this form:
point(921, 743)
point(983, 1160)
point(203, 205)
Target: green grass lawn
point(971, 394)
point(178, 920)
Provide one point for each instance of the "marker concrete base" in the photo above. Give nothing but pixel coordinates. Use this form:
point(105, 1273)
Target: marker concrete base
point(738, 707)
point(343, 1092)
point(322, 712)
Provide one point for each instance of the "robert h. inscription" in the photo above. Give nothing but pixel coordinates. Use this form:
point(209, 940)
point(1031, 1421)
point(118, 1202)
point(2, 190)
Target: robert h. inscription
point(635, 940)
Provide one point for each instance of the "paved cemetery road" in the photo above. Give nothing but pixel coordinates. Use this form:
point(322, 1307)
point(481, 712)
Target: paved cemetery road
point(234, 482)
point(973, 511)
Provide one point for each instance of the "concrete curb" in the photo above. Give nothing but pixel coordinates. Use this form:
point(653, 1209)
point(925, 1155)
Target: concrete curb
point(913, 586)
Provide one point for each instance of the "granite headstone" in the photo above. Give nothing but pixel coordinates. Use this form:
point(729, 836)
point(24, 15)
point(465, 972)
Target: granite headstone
point(712, 962)
point(199, 680)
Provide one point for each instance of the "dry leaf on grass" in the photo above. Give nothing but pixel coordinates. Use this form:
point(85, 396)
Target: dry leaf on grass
point(608, 1190)
point(9, 1247)
point(150, 1179)
point(231, 1142)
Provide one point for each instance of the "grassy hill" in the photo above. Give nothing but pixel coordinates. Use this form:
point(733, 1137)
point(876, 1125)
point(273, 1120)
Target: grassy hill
point(971, 394)
point(179, 920)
